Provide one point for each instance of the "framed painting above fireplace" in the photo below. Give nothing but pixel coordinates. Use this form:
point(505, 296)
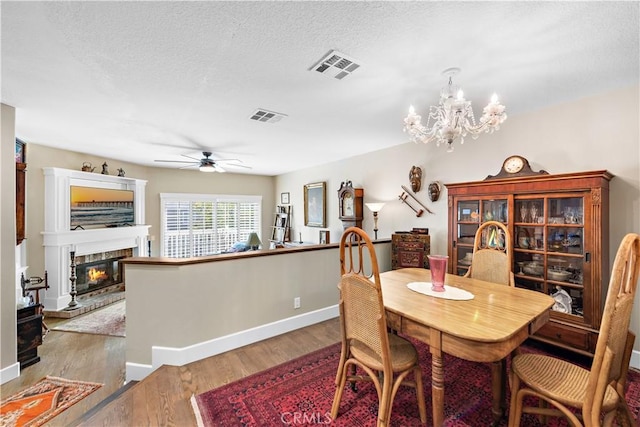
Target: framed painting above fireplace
point(101, 207)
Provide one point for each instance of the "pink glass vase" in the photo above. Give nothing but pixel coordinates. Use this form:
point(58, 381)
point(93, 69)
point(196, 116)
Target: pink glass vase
point(438, 267)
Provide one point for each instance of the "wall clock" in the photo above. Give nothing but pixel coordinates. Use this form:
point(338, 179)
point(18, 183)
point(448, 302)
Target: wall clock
point(350, 205)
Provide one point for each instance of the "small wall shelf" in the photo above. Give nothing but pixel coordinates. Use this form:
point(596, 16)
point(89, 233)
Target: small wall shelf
point(281, 229)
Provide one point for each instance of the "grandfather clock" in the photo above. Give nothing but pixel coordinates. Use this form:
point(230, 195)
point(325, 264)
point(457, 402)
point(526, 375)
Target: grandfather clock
point(350, 205)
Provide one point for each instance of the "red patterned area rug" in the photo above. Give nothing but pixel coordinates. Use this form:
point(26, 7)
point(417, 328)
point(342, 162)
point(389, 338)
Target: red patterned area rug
point(105, 321)
point(300, 392)
point(42, 401)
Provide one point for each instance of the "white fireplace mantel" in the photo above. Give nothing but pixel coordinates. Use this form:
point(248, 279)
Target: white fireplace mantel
point(59, 240)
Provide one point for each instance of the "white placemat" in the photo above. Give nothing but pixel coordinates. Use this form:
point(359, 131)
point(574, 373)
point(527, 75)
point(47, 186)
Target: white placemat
point(449, 291)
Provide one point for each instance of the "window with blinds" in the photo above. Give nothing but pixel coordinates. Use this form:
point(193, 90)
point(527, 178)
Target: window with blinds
point(207, 224)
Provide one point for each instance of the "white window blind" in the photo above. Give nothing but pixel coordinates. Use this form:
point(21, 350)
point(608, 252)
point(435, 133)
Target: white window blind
point(206, 224)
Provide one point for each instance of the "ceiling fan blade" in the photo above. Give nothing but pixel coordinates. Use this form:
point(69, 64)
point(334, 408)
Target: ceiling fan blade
point(189, 157)
point(238, 166)
point(177, 161)
point(219, 168)
point(228, 160)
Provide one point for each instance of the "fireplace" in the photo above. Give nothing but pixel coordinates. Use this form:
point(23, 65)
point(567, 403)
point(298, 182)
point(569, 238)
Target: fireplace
point(91, 245)
point(97, 271)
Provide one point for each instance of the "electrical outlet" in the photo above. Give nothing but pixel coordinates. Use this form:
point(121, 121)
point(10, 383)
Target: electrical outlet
point(296, 302)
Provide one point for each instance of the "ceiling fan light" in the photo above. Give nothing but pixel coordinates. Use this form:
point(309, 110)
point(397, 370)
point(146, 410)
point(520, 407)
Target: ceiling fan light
point(207, 168)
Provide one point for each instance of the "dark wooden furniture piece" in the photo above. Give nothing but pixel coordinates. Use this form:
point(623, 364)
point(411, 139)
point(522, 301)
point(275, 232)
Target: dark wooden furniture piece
point(36, 284)
point(559, 225)
point(29, 334)
point(21, 172)
point(410, 250)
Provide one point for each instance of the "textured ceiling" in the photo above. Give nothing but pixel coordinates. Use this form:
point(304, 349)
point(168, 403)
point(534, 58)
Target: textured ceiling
point(139, 81)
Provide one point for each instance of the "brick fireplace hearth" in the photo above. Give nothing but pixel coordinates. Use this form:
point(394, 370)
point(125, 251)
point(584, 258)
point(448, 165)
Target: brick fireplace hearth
point(91, 301)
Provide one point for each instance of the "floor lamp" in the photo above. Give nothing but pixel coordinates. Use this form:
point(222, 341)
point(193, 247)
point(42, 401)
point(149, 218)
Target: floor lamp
point(375, 208)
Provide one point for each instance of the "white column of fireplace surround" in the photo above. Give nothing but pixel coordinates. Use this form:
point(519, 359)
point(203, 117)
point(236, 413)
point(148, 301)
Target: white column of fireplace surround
point(59, 240)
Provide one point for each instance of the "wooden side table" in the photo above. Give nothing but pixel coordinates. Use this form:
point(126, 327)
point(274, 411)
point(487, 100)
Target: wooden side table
point(29, 334)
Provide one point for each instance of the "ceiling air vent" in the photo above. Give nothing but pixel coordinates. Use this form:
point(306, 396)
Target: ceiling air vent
point(262, 115)
point(336, 65)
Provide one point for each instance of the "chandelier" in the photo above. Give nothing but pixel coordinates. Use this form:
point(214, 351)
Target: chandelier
point(453, 117)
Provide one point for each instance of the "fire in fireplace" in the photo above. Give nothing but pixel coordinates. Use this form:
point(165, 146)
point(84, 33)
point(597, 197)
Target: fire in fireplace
point(97, 275)
point(97, 271)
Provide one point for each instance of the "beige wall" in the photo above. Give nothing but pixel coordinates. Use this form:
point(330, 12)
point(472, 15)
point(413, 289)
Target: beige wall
point(599, 132)
point(7, 238)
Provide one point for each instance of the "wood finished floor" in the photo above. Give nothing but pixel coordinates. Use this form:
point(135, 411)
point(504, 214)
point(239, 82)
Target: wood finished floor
point(163, 398)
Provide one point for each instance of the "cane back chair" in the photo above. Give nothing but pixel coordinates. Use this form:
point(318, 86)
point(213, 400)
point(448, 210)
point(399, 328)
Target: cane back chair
point(492, 254)
point(600, 390)
point(385, 358)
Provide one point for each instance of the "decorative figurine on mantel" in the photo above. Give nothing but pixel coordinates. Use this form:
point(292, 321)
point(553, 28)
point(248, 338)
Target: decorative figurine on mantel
point(120, 172)
point(87, 167)
point(105, 169)
point(415, 178)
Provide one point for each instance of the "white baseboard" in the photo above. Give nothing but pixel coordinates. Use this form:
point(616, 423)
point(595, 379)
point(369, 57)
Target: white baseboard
point(182, 356)
point(136, 371)
point(9, 373)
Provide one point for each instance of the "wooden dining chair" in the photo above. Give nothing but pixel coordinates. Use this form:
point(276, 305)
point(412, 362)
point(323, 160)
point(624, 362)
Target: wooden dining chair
point(491, 261)
point(386, 359)
point(492, 254)
point(560, 385)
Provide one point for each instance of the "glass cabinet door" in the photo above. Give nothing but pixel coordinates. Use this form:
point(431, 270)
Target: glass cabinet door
point(470, 213)
point(495, 210)
point(549, 249)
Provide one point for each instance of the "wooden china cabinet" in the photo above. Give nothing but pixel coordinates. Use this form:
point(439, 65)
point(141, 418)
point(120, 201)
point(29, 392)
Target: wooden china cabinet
point(559, 226)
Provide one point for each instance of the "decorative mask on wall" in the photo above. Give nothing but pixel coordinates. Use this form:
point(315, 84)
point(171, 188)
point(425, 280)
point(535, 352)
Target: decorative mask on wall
point(415, 177)
point(434, 191)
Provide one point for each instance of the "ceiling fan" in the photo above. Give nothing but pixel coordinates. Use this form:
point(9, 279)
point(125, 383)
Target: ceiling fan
point(206, 164)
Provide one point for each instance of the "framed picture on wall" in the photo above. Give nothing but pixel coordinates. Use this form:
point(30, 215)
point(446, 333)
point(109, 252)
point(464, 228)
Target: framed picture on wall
point(324, 237)
point(21, 151)
point(284, 198)
point(314, 204)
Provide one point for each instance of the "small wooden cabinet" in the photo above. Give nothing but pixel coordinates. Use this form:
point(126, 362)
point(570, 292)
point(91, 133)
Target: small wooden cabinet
point(410, 250)
point(281, 229)
point(29, 334)
point(559, 225)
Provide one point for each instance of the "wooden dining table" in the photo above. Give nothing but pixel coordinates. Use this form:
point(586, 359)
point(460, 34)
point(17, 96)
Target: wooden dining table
point(486, 328)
